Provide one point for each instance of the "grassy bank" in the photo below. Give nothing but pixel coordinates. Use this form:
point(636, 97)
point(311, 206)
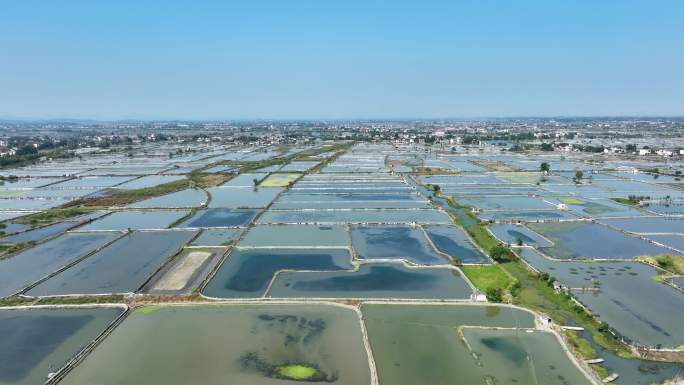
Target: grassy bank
point(525, 288)
point(52, 215)
point(124, 197)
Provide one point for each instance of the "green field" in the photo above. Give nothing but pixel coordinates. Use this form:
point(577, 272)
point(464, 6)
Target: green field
point(571, 201)
point(487, 277)
point(279, 180)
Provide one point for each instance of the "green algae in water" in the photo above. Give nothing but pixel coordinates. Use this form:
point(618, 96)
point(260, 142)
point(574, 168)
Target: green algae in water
point(297, 372)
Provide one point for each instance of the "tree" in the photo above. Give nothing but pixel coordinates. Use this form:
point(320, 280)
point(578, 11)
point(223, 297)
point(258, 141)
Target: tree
point(578, 176)
point(501, 253)
point(546, 147)
point(494, 294)
point(544, 167)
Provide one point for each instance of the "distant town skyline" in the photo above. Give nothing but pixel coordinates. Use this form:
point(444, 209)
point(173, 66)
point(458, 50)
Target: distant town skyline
point(340, 60)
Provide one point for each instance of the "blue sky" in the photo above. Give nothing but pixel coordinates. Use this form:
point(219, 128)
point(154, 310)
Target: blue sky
point(340, 59)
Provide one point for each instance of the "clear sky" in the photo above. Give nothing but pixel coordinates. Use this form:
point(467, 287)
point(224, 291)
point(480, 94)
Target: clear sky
point(340, 58)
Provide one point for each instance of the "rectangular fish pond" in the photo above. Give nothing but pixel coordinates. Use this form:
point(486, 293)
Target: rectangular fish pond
point(586, 240)
point(395, 242)
point(230, 344)
point(37, 342)
point(136, 220)
point(513, 234)
point(454, 241)
point(248, 273)
point(373, 280)
point(220, 218)
point(121, 267)
point(185, 272)
point(296, 236)
point(431, 344)
point(622, 294)
point(29, 266)
point(649, 225)
point(179, 199)
point(242, 197)
point(526, 215)
point(355, 216)
point(216, 237)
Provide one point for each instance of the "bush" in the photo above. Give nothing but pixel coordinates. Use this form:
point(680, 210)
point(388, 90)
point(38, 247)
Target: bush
point(665, 262)
point(495, 294)
point(501, 253)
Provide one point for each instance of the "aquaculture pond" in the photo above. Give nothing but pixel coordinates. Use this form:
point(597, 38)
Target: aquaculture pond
point(634, 371)
point(650, 225)
point(216, 237)
point(136, 220)
point(454, 241)
point(37, 342)
point(93, 182)
point(245, 180)
point(678, 281)
point(29, 266)
point(523, 357)
point(395, 242)
point(220, 218)
point(296, 236)
point(242, 197)
point(121, 267)
point(299, 166)
point(149, 181)
point(526, 216)
point(622, 294)
point(40, 232)
point(376, 280)
point(507, 203)
point(247, 273)
point(597, 208)
point(355, 216)
point(371, 204)
point(423, 344)
point(513, 234)
point(675, 241)
point(586, 240)
point(185, 272)
point(230, 344)
point(291, 197)
point(180, 199)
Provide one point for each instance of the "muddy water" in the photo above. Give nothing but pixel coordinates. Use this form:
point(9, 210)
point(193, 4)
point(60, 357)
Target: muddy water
point(224, 344)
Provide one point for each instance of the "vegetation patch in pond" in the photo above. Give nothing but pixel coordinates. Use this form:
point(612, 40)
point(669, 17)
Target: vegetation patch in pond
point(300, 371)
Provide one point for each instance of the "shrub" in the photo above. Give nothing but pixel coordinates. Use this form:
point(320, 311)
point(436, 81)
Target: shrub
point(494, 294)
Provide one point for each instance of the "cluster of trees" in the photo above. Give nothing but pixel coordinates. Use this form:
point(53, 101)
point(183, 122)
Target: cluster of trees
point(500, 253)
